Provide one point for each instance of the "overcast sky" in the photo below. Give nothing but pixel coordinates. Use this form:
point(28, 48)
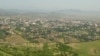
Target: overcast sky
point(89, 5)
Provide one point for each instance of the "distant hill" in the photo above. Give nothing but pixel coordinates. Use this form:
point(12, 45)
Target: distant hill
point(59, 14)
point(79, 12)
point(4, 12)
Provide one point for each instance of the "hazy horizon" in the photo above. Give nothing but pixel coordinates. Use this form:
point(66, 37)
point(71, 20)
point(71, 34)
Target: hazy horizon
point(51, 5)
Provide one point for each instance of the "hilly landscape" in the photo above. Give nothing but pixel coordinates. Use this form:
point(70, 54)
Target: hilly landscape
point(56, 33)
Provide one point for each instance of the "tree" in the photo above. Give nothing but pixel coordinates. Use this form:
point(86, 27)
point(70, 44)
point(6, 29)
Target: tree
point(46, 51)
point(66, 50)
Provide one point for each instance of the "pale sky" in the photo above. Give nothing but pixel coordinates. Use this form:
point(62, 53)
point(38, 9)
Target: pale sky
point(89, 5)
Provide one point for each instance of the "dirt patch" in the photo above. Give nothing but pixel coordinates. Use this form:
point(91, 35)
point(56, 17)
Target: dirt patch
point(73, 45)
point(94, 51)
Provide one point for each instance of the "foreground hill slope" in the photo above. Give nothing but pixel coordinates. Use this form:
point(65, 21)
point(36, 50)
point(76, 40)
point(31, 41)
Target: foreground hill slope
point(87, 48)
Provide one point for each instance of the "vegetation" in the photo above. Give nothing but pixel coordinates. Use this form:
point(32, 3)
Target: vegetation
point(87, 48)
point(49, 38)
point(18, 50)
point(3, 34)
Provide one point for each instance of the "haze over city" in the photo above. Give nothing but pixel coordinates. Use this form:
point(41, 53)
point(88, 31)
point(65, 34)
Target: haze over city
point(51, 5)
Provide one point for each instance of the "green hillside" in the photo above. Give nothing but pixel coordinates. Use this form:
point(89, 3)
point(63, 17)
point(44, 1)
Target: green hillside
point(46, 50)
point(87, 48)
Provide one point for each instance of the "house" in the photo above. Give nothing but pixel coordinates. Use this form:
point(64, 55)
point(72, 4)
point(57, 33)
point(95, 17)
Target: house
point(5, 27)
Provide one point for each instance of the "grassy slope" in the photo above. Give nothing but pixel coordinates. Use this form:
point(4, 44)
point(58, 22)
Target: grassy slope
point(84, 49)
point(87, 48)
point(15, 39)
point(4, 53)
